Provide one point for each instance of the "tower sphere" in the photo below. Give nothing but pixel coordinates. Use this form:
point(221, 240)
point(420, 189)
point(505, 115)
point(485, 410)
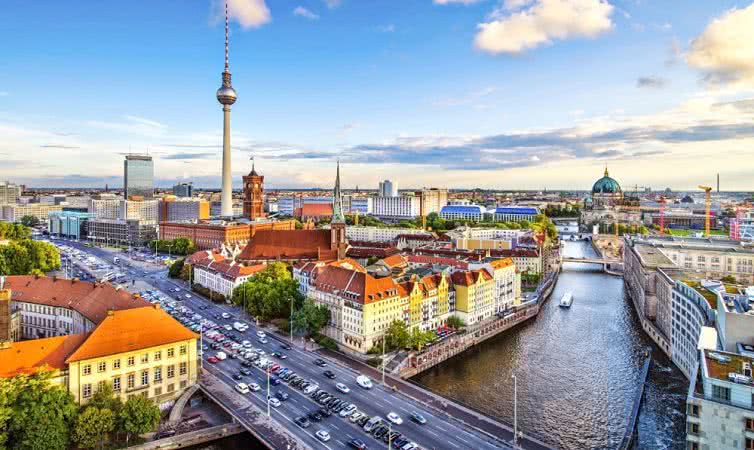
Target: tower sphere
point(226, 95)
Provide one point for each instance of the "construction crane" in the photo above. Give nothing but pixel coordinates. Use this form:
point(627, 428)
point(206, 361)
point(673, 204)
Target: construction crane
point(662, 215)
point(707, 206)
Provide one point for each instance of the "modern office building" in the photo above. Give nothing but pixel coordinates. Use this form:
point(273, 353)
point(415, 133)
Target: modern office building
point(105, 206)
point(183, 190)
point(387, 188)
point(515, 213)
point(360, 205)
point(180, 209)
point(15, 212)
point(68, 224)
point(138, 177)
point(473, 213)
point(432, 200)
point(404, 207)
point(378, 234)
point(9, 193)
point(146, 211)
point(127, 232)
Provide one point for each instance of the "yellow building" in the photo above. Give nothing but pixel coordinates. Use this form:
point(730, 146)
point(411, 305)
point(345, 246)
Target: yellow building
point(427, 300)
point(139, 351)
point(475, 295)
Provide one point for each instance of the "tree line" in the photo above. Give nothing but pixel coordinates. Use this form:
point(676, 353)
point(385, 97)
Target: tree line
point(23, 256)
point(178, 246)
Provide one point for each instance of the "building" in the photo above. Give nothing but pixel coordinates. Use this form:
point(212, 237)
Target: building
point(432, 200)
point(361, 205)
point(138, 177)
point(227, 96)
point(15, 212)
point(742, 227)
point(253, 195)
point(129, 232)
point(428, 300)
point(475, 295)
point(720, 403)
point(313, 211)
point(467, 238)
point(220, 274)
point(105, 206)
point(146, 211)
point(215, 210)
point(507, 283)
point(526, 260)
point(182, 209)
point(288, 205)
point(68, 224)
point(608, 205)
point(9, 193)
point(379, 234)
point(183, 190)
point(387, 189)
point(515, 214)
point(474, 213)
point(404, 207)
point(209, 234)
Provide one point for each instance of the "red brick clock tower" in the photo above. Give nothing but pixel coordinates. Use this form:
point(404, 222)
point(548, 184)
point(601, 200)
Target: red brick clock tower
point(253, 195)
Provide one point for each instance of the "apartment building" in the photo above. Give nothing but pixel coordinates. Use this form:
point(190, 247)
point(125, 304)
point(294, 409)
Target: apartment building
point(15, 212)
point(9, 193)
point(177, 209)
point(428, 300)
point(377, 234)
point(475, 295)
point(220, 274)
point(403, 207)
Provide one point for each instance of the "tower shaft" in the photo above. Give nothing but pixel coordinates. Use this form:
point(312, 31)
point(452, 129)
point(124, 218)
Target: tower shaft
point(226, 198)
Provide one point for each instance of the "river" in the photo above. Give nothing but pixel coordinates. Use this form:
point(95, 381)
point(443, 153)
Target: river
point(577, 370)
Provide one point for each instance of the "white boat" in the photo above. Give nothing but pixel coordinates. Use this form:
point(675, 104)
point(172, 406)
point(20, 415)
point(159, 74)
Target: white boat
point(566, 300)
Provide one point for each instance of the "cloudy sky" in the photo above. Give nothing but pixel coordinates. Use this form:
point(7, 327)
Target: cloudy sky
point(508, 94)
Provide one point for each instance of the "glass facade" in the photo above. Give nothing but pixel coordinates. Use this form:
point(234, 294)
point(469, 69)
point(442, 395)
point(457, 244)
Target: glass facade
point(138, 176)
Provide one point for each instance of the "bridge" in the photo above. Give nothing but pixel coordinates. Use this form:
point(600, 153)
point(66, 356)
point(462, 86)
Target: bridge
point(607, 263)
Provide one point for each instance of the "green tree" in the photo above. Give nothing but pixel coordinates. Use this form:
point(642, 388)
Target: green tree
point(22, 257)
point(30, 221)
point(455, 322)
point(176, 268)
point(105, 398)
point(419, 339)
point(310, 318)
point(268, 295)
point(139, 415)
point(728, 279)
point(397, 335)
point(93, 427)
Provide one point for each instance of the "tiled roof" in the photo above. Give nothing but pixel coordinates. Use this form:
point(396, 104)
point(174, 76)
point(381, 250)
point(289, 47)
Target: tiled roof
point(217, 263)
point(289, 244)
point(92, 300)
point(27, 357)
point(316, 210)
point(428, 259)
point(416, 237)
point(501, 263)
point(515, 253)
point(395, 261)
point(355, 285)
point(131, 330)
point(467, 278)
point(366, 252)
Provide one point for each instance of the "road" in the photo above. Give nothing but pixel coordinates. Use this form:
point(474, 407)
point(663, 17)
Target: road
point(438, 433)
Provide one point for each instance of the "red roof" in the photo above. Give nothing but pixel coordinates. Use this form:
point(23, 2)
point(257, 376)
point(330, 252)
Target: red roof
point(355, 285)
point(215, 262)
point(289, 244)
point(27, 357)
point(366, 252)
point(315, 210)
point(92, 300)
point(427, 259)
point(469, 277)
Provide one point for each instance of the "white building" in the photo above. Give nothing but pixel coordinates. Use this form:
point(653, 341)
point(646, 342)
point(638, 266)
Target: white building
point(15, 212)
point(463, 212)
point(515, 213)
point(9, 192)
point(146, 211)
point(388, 189)
point(220, 274)
point(377, 234)
point(104, 207)
point(404, 207)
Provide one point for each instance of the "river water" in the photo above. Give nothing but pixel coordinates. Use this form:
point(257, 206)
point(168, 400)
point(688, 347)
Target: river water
point(577, 370)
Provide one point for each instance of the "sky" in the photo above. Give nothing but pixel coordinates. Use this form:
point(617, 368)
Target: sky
point(499, 94)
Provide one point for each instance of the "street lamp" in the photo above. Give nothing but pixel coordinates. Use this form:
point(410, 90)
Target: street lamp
point(515, 411)
point(291, 321)
point(383, 359)
point(268, 392)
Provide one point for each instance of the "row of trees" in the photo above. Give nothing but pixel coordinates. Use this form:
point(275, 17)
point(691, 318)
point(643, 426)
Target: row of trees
point(271, 294)
point(558, 211)
point(25, 257)
point(178, 246)
point(14, 231)
point(30, 221)
point(37, 414)
point(398, 336)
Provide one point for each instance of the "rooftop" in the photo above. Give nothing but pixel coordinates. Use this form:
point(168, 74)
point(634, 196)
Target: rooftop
point(652, 256)
point(721, 365)
point(27, 357)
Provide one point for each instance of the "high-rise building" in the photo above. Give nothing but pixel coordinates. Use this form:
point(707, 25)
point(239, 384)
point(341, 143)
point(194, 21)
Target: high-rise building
point(227, 96)
point(253, 195)
point(388, 189)
point(183, 190)
point(403, 207)
point(9, 193)
point(138, 176)
point(174, 209)
point(432, 200)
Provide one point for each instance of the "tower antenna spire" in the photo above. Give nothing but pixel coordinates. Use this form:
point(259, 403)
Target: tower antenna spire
point(227, 45)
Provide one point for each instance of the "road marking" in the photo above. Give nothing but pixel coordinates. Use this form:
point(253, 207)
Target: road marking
point(334, 426)
point(454, 444)
point(342, 443)
point(432, 433)
point(441, 428)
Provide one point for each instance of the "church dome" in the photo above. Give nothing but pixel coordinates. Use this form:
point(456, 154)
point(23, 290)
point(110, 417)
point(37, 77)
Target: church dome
point(606, 185)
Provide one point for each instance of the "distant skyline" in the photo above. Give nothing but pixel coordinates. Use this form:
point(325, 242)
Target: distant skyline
point(499, 94)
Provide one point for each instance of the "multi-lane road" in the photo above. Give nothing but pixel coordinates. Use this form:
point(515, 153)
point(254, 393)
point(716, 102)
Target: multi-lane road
point(440, 431)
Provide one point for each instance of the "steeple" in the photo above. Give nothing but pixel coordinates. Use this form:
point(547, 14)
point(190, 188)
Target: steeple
point(337, 200)
point(253, 172)
point(606, 174)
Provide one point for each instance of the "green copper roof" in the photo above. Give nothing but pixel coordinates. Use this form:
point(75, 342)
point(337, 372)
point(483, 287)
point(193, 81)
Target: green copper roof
point(337, 201)
point(606, 185)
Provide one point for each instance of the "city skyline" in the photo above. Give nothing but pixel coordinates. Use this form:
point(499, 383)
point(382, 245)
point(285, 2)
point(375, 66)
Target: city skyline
point(656, 97)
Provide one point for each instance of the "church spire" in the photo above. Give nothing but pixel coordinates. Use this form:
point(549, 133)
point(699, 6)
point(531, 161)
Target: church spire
point(606, 174)
point(337, 200)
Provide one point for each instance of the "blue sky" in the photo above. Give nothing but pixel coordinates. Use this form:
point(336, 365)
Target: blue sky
point(512, 94)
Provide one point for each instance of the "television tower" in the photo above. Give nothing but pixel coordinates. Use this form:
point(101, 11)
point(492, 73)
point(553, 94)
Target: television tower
point(226, 95)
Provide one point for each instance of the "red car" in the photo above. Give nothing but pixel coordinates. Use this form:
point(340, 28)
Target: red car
point(213, 360)
point(274, 368)
point(227, 344)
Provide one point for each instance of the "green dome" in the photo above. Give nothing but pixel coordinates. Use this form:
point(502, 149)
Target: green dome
point(606, 185)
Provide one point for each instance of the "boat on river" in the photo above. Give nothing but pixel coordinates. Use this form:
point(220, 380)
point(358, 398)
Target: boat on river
point(566, 300)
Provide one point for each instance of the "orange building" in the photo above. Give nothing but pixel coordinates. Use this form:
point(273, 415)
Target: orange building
point(213, 234)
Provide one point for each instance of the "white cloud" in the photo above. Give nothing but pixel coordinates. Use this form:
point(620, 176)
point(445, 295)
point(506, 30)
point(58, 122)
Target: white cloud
point(448, 2)
point(248, 13)
point(542, 21)
point(305, 13)
point(725, 49)
point(332, 3)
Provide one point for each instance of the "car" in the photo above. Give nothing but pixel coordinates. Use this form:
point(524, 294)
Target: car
point(324, 412)
point(379, 431)
point(246, 372)
point(315, 416)
point(311, 388)
point(356, 416)
point(242, 388)
point(372, 423)
point(348, 410)
point(263, 340)
point(410, 446)
point(282, 396)
point(274, 402)
point(322, 435)
point(400, 442)
point(303, 422)
point(418, 418)
point(357, 444)
point(342, 388)
point(364, 381)
point(246, 363)
point(261, 334)
point(320, 362)
point(275, 381)
point(395, 418)
point(391, 437)
point(237, 376)
point(212, 360)
point(221, 356)
point(285, 346)
point(225, 315)
point(274, 367)
point(254, 387)
point(177, 290)
point(329, 374)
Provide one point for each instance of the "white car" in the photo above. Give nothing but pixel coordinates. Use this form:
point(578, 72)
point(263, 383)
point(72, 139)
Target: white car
point(348, 410)
point(254, 387)
point(242, 388)
point(342, 388)
point(364, 381)
point(246, 344)
point(274, 402)
point(221, 356)
point(177, 290)
point(188, 296)
point(263, 340)
point(261, 334)
point(311, 388)
point(323, 435)
point(395, 418)
point(225, 316)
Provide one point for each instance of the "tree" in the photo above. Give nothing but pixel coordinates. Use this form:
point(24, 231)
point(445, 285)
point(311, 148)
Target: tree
point(139, 415)
point(22, 257)
point(105, 398)
point(268, 294)
point(93, 426)
point(176, 268)
point(14, 231)
point(455, 322)
point(728, 279)
point(30, 221)
point(397, 335)
point(419, 339)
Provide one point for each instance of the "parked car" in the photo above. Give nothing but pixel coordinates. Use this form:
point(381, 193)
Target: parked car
point(243, 388)
point(357, 444)
point(323, 435)
point(395, 418)
point(303, 422)
point(342, 388)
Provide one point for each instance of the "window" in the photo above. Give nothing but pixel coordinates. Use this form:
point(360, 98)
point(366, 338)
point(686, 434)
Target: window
point(692, 446)
point(749, 444)
point(183, 350)
point(101, 385)
point(87, 390)
point(171, 352)
point(116, 364)
point(144, 377)
point(749, 424)
point(183, 384)
point(131, 361)
point(157, 391)
point(171, 371)
point(130, 381)
point(720, 393)
point(87, 369)
point(182, 369)
point(158, 355)
point(171, 387)
point(101, 366)
point(145, 358)
point(158, 374)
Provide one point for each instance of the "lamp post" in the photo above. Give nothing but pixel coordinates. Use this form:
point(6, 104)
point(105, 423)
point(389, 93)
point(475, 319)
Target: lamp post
point(383, 359)
point(268, 392)
point(389, 432)
point(201, 345)
point(291, 321)
point(515, 411)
